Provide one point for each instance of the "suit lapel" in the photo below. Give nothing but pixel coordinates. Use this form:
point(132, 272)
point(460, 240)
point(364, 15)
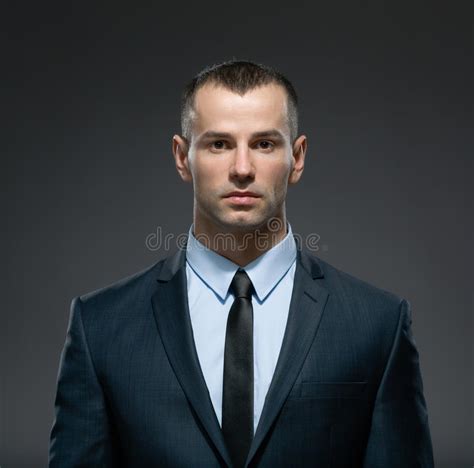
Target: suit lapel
point(306, 309)
point(170, 307)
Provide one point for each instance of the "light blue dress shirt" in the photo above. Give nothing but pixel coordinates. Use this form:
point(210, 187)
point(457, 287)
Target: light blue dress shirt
point(209, 276)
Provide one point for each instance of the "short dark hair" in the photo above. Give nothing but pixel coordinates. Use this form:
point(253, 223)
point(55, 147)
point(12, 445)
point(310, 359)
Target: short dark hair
point(238, 76)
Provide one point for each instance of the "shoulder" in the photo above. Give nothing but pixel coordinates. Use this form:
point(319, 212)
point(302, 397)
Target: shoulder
point(125, 296)
point(362, 311)
point(341, 282)
point(359, 300)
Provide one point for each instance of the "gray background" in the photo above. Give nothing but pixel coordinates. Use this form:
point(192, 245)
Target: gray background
point(92, 101)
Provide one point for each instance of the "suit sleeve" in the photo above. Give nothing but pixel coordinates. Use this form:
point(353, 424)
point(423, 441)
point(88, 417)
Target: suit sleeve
point(80, 435)
point(399, 434)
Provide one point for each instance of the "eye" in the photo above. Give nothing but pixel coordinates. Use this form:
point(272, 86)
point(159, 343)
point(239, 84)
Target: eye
point(218, 144)
point(265, 144)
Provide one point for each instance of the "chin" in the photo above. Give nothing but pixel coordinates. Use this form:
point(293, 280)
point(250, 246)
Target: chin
point(245, 223)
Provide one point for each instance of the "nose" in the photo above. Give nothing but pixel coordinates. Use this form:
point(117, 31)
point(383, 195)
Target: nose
point(242, 165)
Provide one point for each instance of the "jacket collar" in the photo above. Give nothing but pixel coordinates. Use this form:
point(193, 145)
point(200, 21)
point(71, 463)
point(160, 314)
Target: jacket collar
point(171, 264)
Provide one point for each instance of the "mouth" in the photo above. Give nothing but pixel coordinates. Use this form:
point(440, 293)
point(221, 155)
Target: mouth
point(242, 198)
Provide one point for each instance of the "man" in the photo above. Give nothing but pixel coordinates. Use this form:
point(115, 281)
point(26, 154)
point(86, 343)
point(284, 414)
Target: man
point(244, 349)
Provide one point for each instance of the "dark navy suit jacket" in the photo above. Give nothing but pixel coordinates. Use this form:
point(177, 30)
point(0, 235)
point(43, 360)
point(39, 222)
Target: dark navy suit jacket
point(346, 392)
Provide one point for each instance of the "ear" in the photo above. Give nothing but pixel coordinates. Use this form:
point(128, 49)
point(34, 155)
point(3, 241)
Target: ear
point(180, 149)
point(299, 152)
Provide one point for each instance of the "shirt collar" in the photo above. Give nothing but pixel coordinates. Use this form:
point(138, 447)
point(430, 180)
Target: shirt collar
point(265, 271)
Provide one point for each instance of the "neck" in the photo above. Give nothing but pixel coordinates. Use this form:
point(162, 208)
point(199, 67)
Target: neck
point(241, 246)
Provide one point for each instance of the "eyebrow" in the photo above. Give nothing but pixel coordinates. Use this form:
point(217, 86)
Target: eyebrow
point(274, 133)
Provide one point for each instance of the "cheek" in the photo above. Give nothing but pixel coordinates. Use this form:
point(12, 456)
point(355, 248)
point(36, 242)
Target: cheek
point(205, 174)
point(208, 180)
point(276, 178)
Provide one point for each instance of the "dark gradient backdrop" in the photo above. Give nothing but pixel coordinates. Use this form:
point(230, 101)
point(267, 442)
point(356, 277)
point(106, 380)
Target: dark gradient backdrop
point(92, 101)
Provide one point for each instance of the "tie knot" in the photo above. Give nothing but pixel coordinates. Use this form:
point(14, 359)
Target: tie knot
point(241, 285)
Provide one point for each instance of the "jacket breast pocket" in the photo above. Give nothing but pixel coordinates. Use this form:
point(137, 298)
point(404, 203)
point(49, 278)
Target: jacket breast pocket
point(316, 389)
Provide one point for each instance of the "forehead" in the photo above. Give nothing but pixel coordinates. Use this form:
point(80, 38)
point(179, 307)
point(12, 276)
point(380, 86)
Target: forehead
point(218, 108)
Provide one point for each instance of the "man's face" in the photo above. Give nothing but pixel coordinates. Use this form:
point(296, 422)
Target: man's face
point(239, 144)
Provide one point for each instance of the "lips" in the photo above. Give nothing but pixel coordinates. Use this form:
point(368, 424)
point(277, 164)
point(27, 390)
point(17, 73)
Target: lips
point(242, 194)
point(242, 198)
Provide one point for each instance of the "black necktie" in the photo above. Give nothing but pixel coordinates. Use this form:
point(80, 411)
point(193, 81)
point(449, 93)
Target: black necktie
point(237, 397)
